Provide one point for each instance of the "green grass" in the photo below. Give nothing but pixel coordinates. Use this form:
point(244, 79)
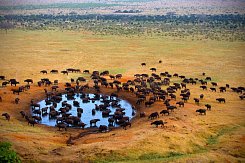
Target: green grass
point(212, 140)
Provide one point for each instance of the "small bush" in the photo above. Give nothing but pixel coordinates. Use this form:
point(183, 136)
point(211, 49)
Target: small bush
point(150, 156)
point(7, 155)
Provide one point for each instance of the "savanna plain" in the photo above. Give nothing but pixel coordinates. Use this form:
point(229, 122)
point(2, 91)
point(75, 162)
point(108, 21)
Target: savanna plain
point(218, 136)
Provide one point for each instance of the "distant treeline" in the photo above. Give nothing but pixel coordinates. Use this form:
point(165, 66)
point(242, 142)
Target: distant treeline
point(193, 18)
point(219, 27)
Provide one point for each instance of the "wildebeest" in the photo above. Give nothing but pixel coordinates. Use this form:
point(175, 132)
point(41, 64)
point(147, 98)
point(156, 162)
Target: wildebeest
point(64, 72)
point(214, 84)
point(159, 122)
point(111, 121)
point(16, 100)
point(242, 97)
point(153, 115)
point(208, 106)
point(86, 71)
point(196, 101)
point(153, 69)
point(28, 81)
point(38, 118)
point(171, 107)
point(13, 82)
point(125, 124)
point(204, 87)
point(163, 112)
point(103, 128)
point(222, 89)
point(61, 125)
point(208, 78)
point(213, 89)
point(32, 122)
point(143, 64)
point(148, 103)
point(220, 100)
point(44, 71)
point(22, 113)
point(93, 121)
point(201, 111)
point(54, 71)
point(201, 96)
point(180, 103)
point(6, 115)
point(4, 84)
point(118, 76)
point(2, 77)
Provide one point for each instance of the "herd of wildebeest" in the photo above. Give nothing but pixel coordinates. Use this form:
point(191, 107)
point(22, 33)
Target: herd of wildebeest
point(148, 89)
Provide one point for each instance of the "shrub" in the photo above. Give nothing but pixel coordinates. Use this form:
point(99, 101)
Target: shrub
point(7, 155)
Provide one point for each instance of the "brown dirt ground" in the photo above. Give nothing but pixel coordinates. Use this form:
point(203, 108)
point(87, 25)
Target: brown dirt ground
point(188, 137)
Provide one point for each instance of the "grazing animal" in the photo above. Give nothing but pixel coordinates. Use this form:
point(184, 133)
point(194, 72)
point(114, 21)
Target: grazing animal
point(213, 89)
point(180, 103)
point(1, 100)
point(143, 64)
point(44, 71)
point(16, 100)
point(28, 81)
point(111, 121)
point(6, 115)
point(163, 112)
point(196, 101)
point(103, 128)
point(208, 78)
point(61, 125)
point(220, 100)
point(22, 113)
point(94, 121)
point(204, 87)
point(160, 122)
point(222, 89)
point(208, 106)
point(153, 69)
point(64, 72)
point(54, 71)
point(214, 84)
point(37, 118)
point(201, 111)
point(81, 124)
point(148, 103)
point(153, 115)
point(171, 107)
point(242, 97)
point(201, 96)
point(125, 124)
point(32, 122)
point(2, 77)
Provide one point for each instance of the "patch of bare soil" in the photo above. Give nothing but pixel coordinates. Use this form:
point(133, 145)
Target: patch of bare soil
point(186, 132)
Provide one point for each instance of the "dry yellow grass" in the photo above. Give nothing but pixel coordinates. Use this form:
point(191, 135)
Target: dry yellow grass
point(218, 136)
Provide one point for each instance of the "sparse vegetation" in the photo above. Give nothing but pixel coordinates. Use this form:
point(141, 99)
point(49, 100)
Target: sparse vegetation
point(7, 155)
point(196, 27)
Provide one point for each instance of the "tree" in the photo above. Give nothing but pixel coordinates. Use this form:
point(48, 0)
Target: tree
point(6, 26)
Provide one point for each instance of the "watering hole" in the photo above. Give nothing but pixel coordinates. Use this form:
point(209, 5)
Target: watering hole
point(103, 102)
